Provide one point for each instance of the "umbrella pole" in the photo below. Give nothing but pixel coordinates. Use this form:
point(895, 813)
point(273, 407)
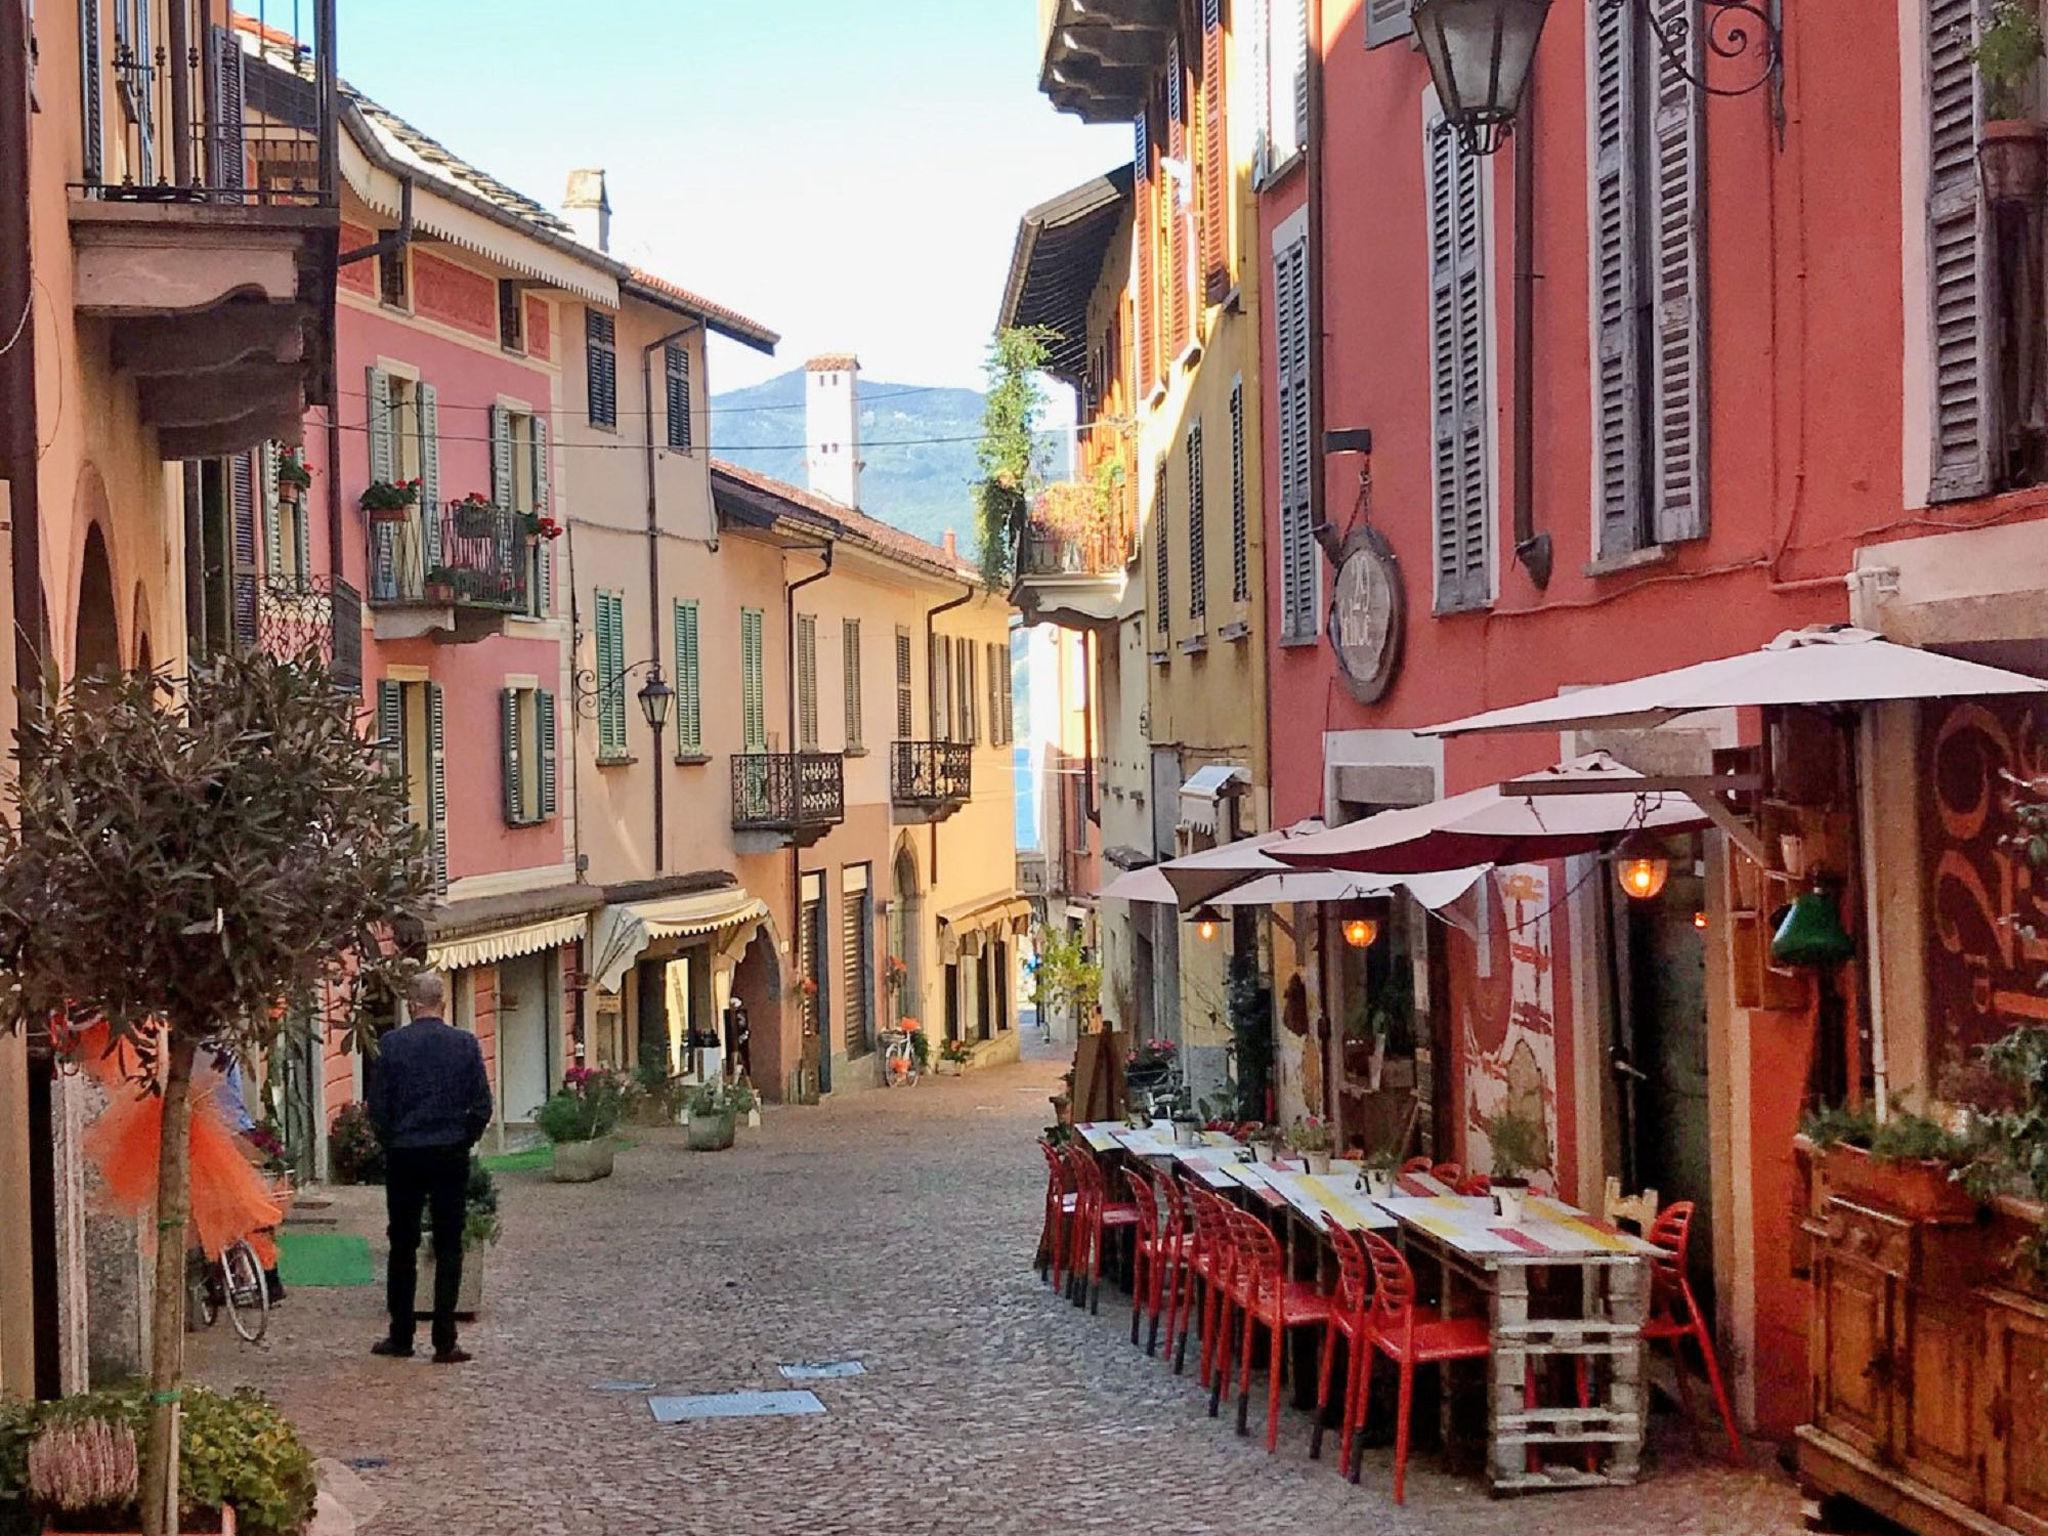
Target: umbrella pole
point(1865, 766)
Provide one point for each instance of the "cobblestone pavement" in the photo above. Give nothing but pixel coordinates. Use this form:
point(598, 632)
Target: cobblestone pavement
point(895, 1228)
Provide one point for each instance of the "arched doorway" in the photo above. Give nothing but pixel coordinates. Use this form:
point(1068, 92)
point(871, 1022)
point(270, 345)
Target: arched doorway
point(757, 989)
point(96, 650)
point(906, 926)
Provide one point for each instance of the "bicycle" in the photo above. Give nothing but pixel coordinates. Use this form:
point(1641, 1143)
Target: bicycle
point(235, 1284)
point(899, 1057)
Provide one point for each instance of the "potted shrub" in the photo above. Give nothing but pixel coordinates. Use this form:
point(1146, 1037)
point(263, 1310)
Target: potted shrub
point(390, 501)
point(475, 516)
point(481, 1227)
point(2009, 151)
point(438, 585)
point(714, 1117)
point(1312, 1138)
point(293, 479)
point(1519, 1149)
point(579, 1119)
point(655, 1098)
point(1910, 1164)
point(954, 1055)
point(1187, 1127)
point(354, 1154)
point(1376, 1171)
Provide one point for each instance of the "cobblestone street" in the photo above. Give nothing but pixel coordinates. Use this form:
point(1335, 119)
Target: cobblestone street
point(892, 1228)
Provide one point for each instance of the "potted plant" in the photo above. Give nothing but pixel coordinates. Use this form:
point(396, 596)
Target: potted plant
point(1519, 1148)
point(1910, 1164)
point(655, 1098)
point(1365, 1048)
point(579, 1119)
point(954, 1055)
point(438, 585)
point(1312, 1138)
point(293, 479)
point(744, 1104)
point(1376, 1171)
point(1187, 1127)
point(713, 1117)
point(547, 528)
point(390, 501)
point(481, 1227)
point(2009, 150)
point(475, 516)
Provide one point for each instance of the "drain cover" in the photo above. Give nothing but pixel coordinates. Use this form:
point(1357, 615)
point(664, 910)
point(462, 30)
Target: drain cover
point(366, 1463)
point(733, 1405)
point(821, 1370)
point(622, 1386)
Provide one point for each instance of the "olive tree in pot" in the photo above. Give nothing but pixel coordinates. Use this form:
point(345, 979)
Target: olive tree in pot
point(1519, 1149)
point(579, 1119)
point(182, 860)
point(2010, 152)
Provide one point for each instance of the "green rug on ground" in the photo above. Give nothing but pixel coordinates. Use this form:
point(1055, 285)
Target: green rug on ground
point(536, 1159)
point(323, 1258)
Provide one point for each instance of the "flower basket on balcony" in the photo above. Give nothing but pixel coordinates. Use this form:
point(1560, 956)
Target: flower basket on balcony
point(438, 585)
point(390, 501)
point(2012, 156)
point(293, 478)
point(475, 518)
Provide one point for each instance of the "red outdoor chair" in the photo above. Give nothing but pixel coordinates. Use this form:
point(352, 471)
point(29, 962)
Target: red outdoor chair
point(1675, 1315)
point(1273, 1300)
point(1060, 1201)
point(1219, 1229)
point(1350, 1320)
point(1474, 1184)
point(1409, 1334)
point(1198, 1279)
point(1177, 1242)
point(1098, 1216)
point(1416, 1165)
point(1452, 1174)
point(1149, 1252)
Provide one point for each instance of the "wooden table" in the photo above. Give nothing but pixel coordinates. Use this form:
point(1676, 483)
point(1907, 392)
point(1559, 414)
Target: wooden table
point(1470, 1242)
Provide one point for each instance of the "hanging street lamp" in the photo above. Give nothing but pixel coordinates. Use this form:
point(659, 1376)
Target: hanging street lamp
point(655, 698)
point(1641, 866)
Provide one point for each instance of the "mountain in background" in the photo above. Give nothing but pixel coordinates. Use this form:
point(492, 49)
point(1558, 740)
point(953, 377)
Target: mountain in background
point(923, 488)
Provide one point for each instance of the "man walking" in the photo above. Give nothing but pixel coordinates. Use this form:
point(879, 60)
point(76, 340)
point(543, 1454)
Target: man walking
point(430, 1101)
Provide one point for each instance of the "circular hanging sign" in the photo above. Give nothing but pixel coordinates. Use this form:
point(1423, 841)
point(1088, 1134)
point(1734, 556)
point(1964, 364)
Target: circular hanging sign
point(1368, 610)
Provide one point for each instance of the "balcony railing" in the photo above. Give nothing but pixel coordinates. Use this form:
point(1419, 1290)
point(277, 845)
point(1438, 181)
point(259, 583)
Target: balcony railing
point(287, 616)
point(930, 773)
point(464, 555)
point(787, 791)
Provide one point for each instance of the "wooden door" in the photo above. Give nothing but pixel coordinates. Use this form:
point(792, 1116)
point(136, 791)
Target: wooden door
point(2015, 1412)
point(1941, 1354)
point(1852, 1350)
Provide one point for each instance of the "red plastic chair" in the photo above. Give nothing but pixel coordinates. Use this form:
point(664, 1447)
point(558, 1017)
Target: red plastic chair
point(1675, 1315)
point(1148, 1251)
point(1176, 1242)
point(1270, 1298)
point(1060, 1201)
point(1350, 1320)
point(1219, 1225)
point(1416, 1165)
point(1409, 1334)
point(1198, 1278)
point(1452, 1174)
point(1098, 1216)
point(1474, 1184)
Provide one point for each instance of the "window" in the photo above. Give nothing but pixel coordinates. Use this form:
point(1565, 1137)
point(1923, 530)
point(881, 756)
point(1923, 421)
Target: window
point(856, 956)
point(403, 417)
point(807, 682)
point(511, 315)
point(394, 285)
point(1386, 21)
point(410, 721)
point(1198, 541)
point(601, 368)
point(1162, 592)
point(689, 684)
point(963, 678)
point(1240, 553)
point(815, 1006)
point(753, 705)
point(1461, 479)
point(1960, 337)
point(287, 524)
point(941, 684)
point(520, 483)
point(1213, 144)
point(1299, 572)
point(849, 646)
point(1001, 710)
point(906, 718)
point(526, 753)
point(611, 677)
point(676, 370)
point(1280, 80)
point(1649, 379)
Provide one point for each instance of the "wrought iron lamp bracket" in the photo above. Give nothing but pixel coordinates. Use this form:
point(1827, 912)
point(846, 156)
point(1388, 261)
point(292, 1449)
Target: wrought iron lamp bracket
point(1743, 30)
point(591, 691)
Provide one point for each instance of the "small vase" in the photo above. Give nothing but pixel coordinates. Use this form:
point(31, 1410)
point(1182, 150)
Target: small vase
point(1379, 1182)
point(1318, 1162)
point(1507, 1200)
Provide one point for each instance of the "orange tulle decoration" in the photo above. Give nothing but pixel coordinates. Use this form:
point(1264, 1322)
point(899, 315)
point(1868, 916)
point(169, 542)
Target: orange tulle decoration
point(230, 1199)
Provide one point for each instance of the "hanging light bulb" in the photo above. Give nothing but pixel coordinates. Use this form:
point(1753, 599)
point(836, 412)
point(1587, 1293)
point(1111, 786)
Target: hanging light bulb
point(1359, 932)
point(1207, 920)
point(1641, 866)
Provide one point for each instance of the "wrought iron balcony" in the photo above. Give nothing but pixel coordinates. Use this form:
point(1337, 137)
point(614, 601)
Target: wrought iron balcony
point(288, 616)
point(930, 779)
point(1074, 555)
point(796, 797)
point(466, 557)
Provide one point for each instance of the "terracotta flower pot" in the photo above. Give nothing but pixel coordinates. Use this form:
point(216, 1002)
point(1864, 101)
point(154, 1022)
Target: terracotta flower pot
point(2012, 159)
point(390, 514)
point(1920, 1189)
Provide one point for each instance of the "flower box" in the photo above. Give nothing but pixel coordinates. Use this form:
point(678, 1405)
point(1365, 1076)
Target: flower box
point(1920, 1189)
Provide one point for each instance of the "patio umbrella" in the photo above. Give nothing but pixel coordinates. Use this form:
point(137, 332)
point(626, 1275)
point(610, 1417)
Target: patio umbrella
point(1491, 826)
point(1245, 874)
point(1819, 665)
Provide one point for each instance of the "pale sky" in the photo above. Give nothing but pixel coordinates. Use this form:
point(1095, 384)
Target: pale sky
point(848, 173)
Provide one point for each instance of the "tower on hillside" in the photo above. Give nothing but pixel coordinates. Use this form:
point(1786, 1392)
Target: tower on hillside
point(832, 427)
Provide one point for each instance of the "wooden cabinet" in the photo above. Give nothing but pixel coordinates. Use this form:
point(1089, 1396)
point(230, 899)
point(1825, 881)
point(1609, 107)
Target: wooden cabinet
point(2016, 1410)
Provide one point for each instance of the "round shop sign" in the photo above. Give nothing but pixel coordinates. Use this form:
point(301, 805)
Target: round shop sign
point(1367, 610)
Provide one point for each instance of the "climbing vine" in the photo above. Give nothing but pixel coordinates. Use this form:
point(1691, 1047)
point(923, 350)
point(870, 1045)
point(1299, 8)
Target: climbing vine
point(1007, 454)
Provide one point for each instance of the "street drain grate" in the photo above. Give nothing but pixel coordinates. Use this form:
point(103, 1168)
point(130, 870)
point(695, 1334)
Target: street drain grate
point(821, 1370)
point(366, 1463)
point(622, 1386)
point(733, 1405)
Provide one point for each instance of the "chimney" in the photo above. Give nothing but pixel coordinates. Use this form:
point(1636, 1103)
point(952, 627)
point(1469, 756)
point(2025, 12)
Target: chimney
point(952, 546)
point(589, 209)
point(832, 427)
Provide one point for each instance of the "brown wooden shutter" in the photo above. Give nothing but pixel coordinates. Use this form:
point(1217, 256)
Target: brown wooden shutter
point(1176, 192)
point(1215, 157)
point(1148, 277)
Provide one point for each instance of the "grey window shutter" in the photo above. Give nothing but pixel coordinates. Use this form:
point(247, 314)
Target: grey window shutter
point(906, 718)
point(383, 537)
point(501, 455)
point(938, 680)
point(437, 785)
point(994, 680)
point(145, 98)
point(92, 100)
point(543, 502)
point(1617, 269)
point(1240, 536)
point(1386, 21)
point(544, 716)
point(1680, 389)
point(508, 754)
point(430, 473)
point(1198, 538)
point(1162, 575)
point(1297, 461)
point(391, 725)
point(1956, 256)
point(1298, 72)
point(242, 510)
point(1462, 489)
point(225, 142)
point(273, 528)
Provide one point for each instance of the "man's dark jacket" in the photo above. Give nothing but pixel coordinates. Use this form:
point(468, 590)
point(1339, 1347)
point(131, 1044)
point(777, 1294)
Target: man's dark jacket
point(429, 1087)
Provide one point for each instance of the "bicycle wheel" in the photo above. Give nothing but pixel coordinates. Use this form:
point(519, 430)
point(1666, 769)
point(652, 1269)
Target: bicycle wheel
point(248, 1298)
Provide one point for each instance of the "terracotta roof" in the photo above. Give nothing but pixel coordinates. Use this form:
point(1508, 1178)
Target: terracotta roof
point(727, 322)
point(883, 538)
point(833, 362)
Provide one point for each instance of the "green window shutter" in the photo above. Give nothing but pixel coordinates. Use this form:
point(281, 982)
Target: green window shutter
point(437, 785)
point(807, 682)
point(753, 708)
point(543, 501)
point(302, 536)
point(906, 719)
point(430, 472)
point(601, 367)
point(676, 367)
point(1162, 588)
point(611, 665)
point(850, 646)
point(501, 455)
point(1240, 536)
point(689, 683)
point(391, 725)
point(1292, 410)
point(273, 529)
point(544, 714)
point(508, 754)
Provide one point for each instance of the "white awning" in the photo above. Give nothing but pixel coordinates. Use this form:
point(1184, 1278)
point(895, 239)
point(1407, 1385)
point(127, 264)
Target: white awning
point(1204, 788)
point(621, 931)
point(1284, 887)
point(505, 943)
point(1005, 910)
point(1820, 665)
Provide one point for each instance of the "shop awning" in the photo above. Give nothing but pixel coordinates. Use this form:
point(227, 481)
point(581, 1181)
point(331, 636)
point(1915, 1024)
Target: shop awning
point(1203, 876)
point(1005, 910)
point(622, 930)
point(505, 943)
point(1205, 788)
point(1501, 824)
point(1819, 665)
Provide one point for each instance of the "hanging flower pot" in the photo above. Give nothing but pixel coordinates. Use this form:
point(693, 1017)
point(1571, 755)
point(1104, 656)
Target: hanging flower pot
point(2012, 159)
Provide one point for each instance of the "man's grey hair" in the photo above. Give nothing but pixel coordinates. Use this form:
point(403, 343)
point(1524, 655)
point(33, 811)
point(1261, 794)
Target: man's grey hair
point(426, 995)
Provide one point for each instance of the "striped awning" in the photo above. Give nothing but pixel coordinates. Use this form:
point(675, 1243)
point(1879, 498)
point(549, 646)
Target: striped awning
point(621, 931)
point(505, 943)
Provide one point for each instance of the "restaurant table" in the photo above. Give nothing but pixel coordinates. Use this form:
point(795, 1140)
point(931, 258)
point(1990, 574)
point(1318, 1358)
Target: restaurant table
point(1604, 1338)
point(1100, 1134)
point(1312, 1196)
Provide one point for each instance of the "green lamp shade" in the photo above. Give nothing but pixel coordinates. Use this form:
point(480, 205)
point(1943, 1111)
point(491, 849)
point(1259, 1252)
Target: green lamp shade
point(1811, 933)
